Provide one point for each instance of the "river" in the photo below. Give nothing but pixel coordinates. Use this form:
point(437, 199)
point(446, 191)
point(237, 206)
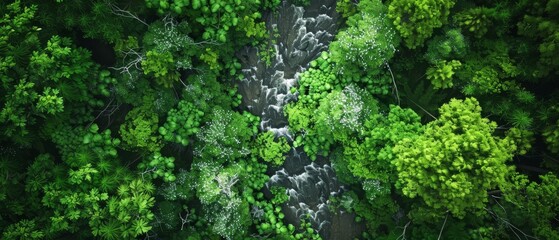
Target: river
point(302, 34)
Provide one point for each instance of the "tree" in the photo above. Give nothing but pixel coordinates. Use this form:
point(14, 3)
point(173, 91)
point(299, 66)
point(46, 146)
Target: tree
point(43, 84)
point(541, 25)
point(372, 158)
point(536, 203)
point(369, 41)
point(441, 74)
point(139, 131)
point(343, 113)
point(227, 136)
point(217, 19)
point(453, 164)
point(218, 190)
point(416, 20)
point(182, 122)
point(167, 50)
point(270, 148)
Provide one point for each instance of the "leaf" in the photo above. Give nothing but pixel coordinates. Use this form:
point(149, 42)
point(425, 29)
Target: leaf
point(140, 226)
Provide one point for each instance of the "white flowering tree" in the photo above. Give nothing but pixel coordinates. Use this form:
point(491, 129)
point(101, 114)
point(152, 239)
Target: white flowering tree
point(343, 113)
point(224, 208)
point(226, 137)
point(368, 42)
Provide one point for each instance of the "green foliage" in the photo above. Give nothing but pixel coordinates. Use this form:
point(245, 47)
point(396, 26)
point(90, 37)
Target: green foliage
point(180, 189)
point(25, 229)
point(102, 143)
point(162, 66)
point(549, 116)
point(269, 149)
point(280, 195)
point(451, 45)
point(157, 166)
point(372, 158)
point(229, 218)
point(15, 200)
point(83, 194)
point(207, 189)
point(182, 122)
point(486, 80)
point(317, 81)
point(340, 165)
point(206, 93)
point(368, 42)
point(514, 107)
point(225, 210)
point(307, 232)
point(251, 28)
point(43, 84)
point(455, 161)
point(485, 71)
point(535, 203)
point(64, 172)
point(314, 85)
point(79, 146)
point(252, 173)
point(49, 102)
point(210, 57)
point(523, 139)
point(226, 137)
point(268, 219)
point(217, 19)
point(343, 113)
point(300, 119)
point(139, 130)
point(475, 20)
point(416, 20)
point(346, 8)
point(127, 214)
point(16, 25)
point(168, 49)
point(98, 19)
point(374, 212)
point(540, 24)
point(303, 3)
point(551, 137)
point(13, 111)
point(441, 74)
point(58, 60)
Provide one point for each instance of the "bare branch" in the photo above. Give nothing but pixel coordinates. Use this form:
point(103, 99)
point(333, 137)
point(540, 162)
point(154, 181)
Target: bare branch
point(137, 59)
point(509, 225)
point(403, 235)
point(148, 170)
point(423, 109)
point(442, 228)
point(98, 115)
point(124, 13)
point(226, 183)
point(394, 82)
point(184, 219)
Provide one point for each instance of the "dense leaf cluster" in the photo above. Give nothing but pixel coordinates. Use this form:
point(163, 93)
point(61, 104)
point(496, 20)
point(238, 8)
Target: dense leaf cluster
point(122, 120)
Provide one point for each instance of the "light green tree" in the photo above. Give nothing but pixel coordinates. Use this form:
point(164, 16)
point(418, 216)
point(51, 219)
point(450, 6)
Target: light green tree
point(271, 148)
point(453, 164)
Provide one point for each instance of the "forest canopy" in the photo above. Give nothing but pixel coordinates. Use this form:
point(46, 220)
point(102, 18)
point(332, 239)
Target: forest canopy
point(132, 120)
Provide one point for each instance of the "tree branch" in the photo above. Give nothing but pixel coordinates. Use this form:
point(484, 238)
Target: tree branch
point(124, 13)
point(442, 228)
point(394, 82)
